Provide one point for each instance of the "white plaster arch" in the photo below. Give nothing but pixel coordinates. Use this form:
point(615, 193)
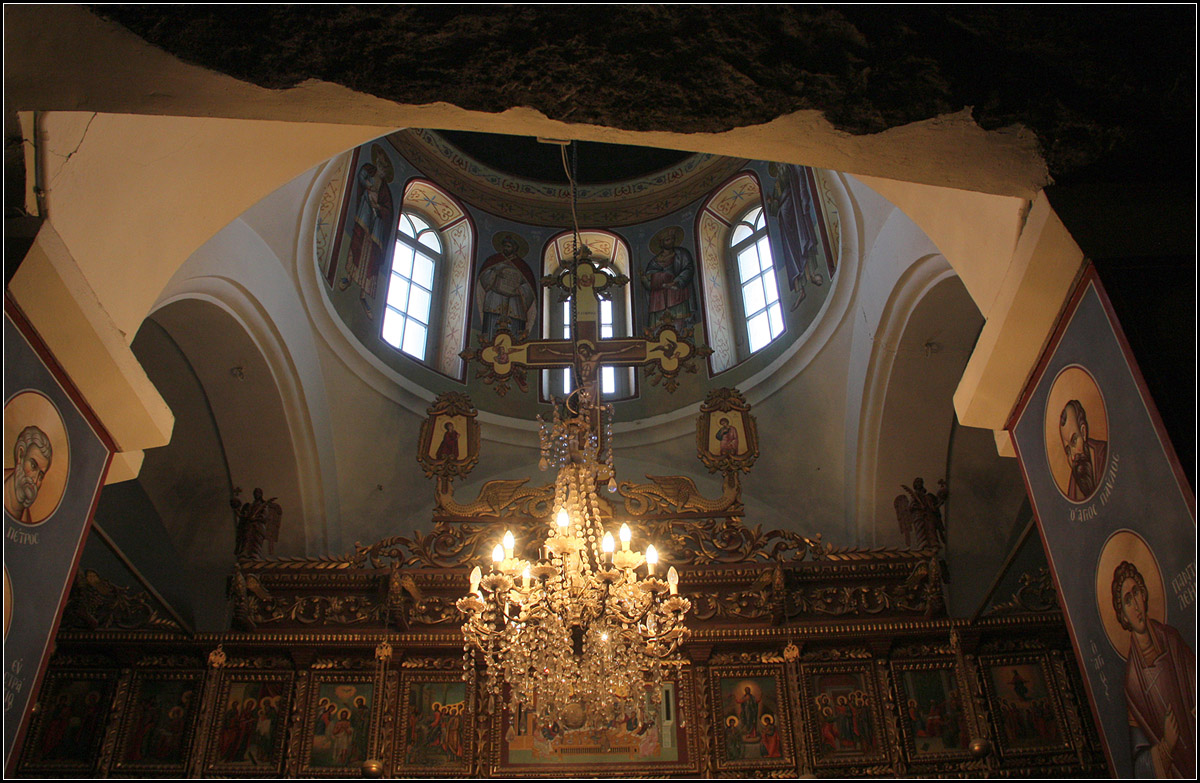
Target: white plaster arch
point(914, 284)
point(237, 272)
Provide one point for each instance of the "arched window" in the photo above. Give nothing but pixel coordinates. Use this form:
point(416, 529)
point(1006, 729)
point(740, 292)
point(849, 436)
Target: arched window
point(425, 310)
point(750, 251)
point(616, 317)
point(406, 318)
point(721, 218)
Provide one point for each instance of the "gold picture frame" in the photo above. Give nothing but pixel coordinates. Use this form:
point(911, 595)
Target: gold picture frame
point(751, 718)
point(726, 432)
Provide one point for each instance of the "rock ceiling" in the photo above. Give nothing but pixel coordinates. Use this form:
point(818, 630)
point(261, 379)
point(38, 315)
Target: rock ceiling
point(1104, 88)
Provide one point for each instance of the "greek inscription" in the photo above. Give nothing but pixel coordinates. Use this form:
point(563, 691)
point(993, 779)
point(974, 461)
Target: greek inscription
point(1110, 479)
point(1184, 585)
point(1083, 514)
point(14, 683)
point(21, 537)
point(1097, 661)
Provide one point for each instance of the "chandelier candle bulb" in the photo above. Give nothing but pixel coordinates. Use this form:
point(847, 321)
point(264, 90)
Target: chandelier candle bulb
point(626, 536)
point(651, 559)
point(509, 544)
point(673, 580)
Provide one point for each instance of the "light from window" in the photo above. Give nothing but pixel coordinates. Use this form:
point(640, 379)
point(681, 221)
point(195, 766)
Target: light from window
point(756, 275)
point(410, 286)
point(608, 375)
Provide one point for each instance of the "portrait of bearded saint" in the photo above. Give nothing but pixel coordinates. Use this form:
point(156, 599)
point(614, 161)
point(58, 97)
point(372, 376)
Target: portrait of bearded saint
point(373, 226)
point(1160, 684)
point(1086, 457)
point(667, 278)
point(32, 455)
point(508, 288)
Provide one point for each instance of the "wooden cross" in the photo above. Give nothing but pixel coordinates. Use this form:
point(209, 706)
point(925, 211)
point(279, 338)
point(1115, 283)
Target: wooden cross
point(665, 351)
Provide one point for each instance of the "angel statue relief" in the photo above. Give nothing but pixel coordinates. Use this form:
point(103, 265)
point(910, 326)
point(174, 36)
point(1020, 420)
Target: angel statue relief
point(257, 520)
point(919, 513)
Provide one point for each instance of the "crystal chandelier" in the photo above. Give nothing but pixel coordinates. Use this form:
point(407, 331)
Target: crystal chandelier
point(590, 629)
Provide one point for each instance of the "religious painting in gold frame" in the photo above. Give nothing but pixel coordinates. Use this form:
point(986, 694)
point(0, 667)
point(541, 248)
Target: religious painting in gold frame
point(933, 716)
point(449, 439)
point(1025, 708)
point(158, 725)
point(845, 724)
point(249, 724)
point(751, 722)
point(436, 726)
point(726, 433)
point(65, 735)
point(661, 744)
point(341, 715)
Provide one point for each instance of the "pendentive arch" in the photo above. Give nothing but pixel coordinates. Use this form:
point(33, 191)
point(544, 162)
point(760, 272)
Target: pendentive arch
point(239, 275)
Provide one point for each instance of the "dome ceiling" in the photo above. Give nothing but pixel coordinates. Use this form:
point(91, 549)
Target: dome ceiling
point(508, 182)
point(529, 158)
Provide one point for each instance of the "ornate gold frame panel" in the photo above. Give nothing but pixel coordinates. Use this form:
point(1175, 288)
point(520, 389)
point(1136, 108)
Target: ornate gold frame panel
point(149, 727)
point(1027, 714)
point(270, 709)
point(726, 433)
point(452, 415)
point(751, 719)
point(436, 725)
point(69, 725)
point(347, 687)
point(934, 722)
point(838, 699)
point(664, 745)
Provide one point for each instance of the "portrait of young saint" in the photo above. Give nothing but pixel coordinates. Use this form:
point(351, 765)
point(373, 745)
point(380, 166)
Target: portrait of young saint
point(448, 448)
point(1160, 683)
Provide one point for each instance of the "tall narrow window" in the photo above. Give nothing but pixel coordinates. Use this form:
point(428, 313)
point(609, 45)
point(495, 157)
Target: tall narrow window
point(616, 318)
point(751, 250)
point(410, 286)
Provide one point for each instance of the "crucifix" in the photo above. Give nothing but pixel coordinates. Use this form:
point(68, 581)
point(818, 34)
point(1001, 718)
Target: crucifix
point(585, 279)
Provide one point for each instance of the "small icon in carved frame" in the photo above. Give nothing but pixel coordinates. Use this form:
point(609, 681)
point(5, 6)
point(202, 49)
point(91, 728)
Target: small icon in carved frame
point(726, 433)
point(449, 440)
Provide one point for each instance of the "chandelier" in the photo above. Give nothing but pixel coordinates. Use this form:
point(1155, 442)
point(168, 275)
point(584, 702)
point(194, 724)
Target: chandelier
point(591, 629)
